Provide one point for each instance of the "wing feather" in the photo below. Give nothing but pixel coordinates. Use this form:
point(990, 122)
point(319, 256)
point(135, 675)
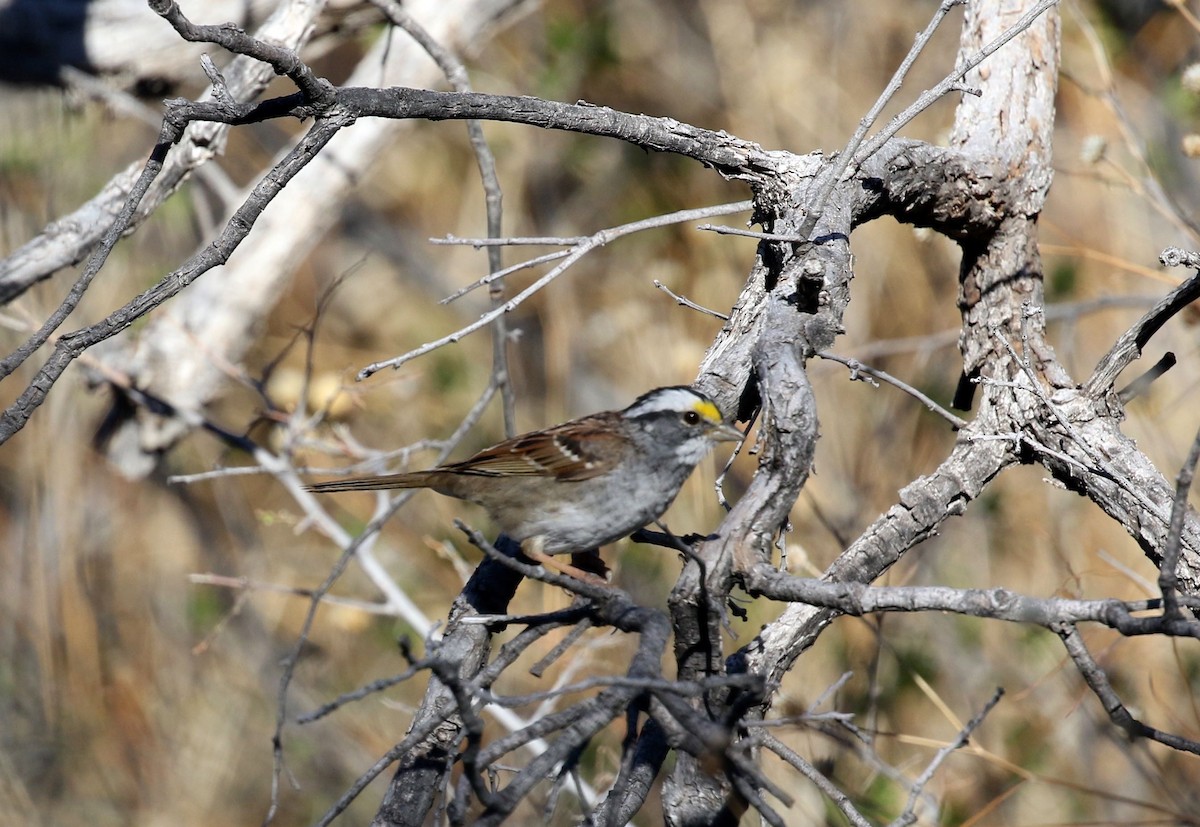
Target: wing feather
point(576, 450)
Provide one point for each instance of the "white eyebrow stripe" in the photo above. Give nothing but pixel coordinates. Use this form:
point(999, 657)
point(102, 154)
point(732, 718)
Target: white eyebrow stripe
point(675, 399)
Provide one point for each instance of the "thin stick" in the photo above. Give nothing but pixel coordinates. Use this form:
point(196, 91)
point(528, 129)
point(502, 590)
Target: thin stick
point(950, 82)
point(246, 585)
point(599, 239)
point(1129, 346)
point(685, 302)
point(1102, 465)
point(456, 73)
point(1168, 579)
point(909, 814)
point(1097, 681)
point(857, 367)
point(723, 230)
point(831, 791)
point(570, 241)
point(511, 241)
point(490, 277)
point(833, 173)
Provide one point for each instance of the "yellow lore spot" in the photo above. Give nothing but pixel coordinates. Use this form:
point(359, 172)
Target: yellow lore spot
point(708, 410)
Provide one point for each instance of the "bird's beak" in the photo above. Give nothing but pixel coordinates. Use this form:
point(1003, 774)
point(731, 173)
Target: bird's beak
point(726, 433)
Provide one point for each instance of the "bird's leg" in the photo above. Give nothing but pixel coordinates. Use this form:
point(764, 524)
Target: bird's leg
point(591, 562)
point(532, 548)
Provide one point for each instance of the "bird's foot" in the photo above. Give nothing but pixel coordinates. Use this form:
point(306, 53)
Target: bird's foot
point(586, 566)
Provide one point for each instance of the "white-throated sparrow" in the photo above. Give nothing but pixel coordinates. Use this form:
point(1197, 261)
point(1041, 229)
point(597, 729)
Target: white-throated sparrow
point(580, 485)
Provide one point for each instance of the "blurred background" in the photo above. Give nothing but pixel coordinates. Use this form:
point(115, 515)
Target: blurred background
point(130, 693)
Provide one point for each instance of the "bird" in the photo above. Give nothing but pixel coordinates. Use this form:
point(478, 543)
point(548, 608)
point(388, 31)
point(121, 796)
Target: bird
point(574, 487)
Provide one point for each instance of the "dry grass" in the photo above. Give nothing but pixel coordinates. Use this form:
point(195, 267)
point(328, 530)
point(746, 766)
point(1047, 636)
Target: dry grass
point(130, 696)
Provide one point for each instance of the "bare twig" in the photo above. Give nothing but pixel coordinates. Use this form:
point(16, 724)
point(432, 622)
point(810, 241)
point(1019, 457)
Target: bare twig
point(833, 173)
point(857, 367)
point(952, 81)
point(547, 660)
point(1081, 251)
point(456, 73)
point(1101, 464)
point(1142, 383)
point(831, 791)
point(581, 588)
point(71, 345)
point(1129, 346)
point(1059, 311)
point(247, 585)
point(1098, 682)
point(741, 231)
point(506, 271)
point(282, 59)
point(13, 421)
point(292, 660)
point(1144, 181)
point(73, 237)
point(119, 101)
point(575, 242)
point(1181, 7)
point(909, 815)
point(685, 302)
point(371, 688)
point(1168, 578)
point(512, 241)
point(656, 685)
point(998, 604)
point(581, 249)
point(410, 741)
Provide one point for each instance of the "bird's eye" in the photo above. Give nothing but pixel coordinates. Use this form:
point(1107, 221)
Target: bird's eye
point(691, 418)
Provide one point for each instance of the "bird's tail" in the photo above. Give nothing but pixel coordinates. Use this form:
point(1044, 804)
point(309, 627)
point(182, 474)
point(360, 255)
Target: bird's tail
point(418, 479)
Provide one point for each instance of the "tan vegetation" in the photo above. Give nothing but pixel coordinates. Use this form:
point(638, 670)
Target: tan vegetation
point(131, 694)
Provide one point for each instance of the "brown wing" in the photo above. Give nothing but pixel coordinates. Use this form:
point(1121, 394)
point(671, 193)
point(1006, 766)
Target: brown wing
point(576, 450)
